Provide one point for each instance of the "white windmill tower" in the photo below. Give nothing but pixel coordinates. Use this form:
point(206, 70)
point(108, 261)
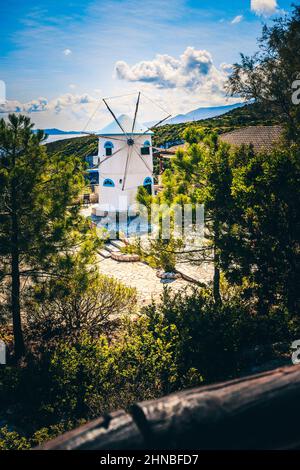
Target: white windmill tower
point(125, 161)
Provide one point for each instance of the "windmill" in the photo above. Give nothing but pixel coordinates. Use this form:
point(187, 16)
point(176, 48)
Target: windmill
point(125, 159)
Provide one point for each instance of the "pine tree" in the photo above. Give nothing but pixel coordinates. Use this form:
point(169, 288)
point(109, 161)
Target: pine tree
point(269, 76)
point(42, 233)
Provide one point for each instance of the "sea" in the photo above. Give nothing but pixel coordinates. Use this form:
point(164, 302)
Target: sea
point(55, 137)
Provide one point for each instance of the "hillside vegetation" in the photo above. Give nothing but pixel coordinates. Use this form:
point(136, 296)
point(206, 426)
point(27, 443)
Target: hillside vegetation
point(248, 115)
point(79, 146)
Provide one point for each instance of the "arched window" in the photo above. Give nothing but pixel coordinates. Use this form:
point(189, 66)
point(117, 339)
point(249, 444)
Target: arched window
point(145, 150)
point(108, 148)
point(108, 182)
point(147, 181)
point(148, 184)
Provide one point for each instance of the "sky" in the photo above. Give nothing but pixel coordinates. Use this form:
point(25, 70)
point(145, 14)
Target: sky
point(58, 59)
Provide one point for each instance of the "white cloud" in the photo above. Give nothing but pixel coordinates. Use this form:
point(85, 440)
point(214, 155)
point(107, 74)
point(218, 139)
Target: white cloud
point(67, 52)
point(14, 106)
point(264, 7)
point(67, 100)
point(179, 84)
point(237, 19)
point(68, 111)
point(193, 69)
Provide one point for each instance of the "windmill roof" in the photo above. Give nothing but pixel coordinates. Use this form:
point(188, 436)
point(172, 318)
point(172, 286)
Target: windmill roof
point(126, 122)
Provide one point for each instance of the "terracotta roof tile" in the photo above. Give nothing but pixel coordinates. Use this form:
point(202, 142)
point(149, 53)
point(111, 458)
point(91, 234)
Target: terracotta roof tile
point(261, 137)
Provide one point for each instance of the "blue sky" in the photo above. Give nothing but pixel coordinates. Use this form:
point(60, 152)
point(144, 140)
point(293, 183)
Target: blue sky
point(58, 58)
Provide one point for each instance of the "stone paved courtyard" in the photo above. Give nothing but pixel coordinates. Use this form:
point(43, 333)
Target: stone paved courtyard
point(142, 277)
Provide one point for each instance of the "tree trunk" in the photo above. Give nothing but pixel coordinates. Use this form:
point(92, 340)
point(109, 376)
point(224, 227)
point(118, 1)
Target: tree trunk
point(15, 279)
point(15, 306)
point(216, 280)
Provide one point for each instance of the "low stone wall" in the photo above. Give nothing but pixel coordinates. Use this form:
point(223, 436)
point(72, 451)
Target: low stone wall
point(168, 275)
point(124, 257)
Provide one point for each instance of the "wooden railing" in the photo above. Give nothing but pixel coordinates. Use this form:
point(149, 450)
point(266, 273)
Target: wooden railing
point(257, 412)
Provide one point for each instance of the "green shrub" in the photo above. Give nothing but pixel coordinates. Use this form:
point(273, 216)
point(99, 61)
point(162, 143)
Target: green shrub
point(59, 388)
point(65, 308)
point(11, 440)
point(219, 341)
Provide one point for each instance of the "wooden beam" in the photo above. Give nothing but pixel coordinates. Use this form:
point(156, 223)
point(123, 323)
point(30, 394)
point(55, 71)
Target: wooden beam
point(256, 412)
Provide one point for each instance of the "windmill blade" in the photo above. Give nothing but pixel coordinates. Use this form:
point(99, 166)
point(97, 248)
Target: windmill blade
point(136, 111)
point(157, 124)
point(159, 149)
point(90, 134)
point(126, 166)
point(92, 117)
point(103, 136)
point(115, 118)
point(161, 121)
point(113, 154)
point(162, 109)
point(146, 165)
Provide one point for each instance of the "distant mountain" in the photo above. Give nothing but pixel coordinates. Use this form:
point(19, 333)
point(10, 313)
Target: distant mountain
point(54, 131)
point(203, 113)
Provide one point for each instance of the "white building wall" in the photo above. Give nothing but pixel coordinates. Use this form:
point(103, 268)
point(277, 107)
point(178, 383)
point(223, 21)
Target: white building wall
point(114, 168)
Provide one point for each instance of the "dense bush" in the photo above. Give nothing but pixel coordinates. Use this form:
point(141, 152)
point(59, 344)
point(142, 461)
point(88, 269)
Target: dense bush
point(183, 341)
point(219, 341)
